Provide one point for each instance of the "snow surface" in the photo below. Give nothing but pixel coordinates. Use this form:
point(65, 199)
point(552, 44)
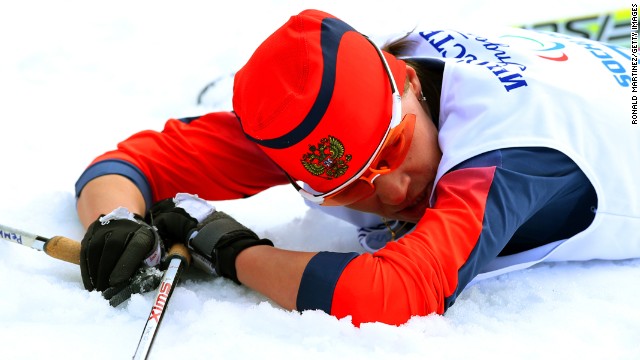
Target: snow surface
point(78, 76)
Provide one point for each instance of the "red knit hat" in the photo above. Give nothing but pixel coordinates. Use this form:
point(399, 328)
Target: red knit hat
point(316, 98)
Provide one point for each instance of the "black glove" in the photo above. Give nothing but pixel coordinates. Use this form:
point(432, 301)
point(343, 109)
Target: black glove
point(214, 237)
point(172, 220)
point(114, 248)
point(144, 280)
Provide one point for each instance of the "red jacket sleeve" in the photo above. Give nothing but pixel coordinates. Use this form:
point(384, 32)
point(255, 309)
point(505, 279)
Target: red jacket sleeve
point(498, 203)
point(209, 156)
point(415, 274)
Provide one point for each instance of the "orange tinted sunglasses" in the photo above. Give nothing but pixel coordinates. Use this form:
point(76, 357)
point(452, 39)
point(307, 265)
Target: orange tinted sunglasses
point(394, 150)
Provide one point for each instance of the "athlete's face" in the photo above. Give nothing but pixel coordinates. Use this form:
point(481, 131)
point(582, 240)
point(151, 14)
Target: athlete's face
point(403, 194)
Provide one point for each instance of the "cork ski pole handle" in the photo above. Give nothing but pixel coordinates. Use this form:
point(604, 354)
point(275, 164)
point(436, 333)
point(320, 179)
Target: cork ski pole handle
point(63, 248)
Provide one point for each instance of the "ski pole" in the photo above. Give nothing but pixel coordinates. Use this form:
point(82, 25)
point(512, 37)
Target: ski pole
point(59, 247)
point(68, 250)
point(179, 258)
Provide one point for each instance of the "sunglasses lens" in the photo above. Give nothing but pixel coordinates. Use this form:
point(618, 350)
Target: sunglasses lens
point(395, 147)
point(393, 152)
point(359, 190)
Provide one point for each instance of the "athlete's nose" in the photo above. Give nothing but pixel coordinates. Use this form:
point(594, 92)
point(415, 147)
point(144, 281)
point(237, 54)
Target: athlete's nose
point(392, 188)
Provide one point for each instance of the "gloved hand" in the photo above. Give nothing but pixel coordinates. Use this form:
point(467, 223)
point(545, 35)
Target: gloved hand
point(176, 218)
point(113, 249)
point(214, 237)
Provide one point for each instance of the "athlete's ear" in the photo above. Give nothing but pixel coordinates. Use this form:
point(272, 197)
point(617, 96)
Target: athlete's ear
point(413, 83)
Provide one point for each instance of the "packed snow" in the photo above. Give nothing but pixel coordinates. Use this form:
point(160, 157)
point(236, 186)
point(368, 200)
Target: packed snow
point(76, 77)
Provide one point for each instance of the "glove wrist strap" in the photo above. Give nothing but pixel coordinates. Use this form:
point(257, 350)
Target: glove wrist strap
point(220, 239)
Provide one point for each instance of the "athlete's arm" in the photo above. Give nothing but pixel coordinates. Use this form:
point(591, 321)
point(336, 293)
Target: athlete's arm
point(502, 201)
point(105, 193)
point(208, 156)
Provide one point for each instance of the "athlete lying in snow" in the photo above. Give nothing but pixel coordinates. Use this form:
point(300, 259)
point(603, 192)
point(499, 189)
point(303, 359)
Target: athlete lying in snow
point(497, 151)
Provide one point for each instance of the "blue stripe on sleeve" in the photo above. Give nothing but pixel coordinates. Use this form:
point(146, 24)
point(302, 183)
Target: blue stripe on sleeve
point(117, 167)
point(319, 280)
